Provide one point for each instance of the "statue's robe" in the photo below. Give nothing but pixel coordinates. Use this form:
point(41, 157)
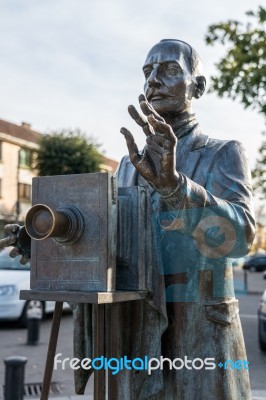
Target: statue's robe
point(192, 311)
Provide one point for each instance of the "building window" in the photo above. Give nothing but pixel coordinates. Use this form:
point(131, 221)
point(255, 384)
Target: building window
point(1, 150)
point(0, 188)
point(24, 192)
point(25, 158)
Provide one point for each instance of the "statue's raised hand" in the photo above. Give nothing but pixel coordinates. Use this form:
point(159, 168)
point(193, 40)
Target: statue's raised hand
point(19, 239)
point(157, 162)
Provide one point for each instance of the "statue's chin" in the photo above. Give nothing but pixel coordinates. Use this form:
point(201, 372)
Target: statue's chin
point(170, 110)
point(165, 106)
point(161, 106)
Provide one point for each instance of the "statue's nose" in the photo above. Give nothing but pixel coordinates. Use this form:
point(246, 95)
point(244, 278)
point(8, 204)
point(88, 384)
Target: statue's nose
point(153, 80)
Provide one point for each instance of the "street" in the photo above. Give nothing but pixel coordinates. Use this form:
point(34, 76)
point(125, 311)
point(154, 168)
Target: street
point(256, 358)
point(13, 342)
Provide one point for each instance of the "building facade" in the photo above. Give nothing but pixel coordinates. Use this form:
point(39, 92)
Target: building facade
point(18, 145)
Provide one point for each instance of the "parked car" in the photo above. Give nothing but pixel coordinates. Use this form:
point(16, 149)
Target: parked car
point(262, 320)
point(256, 262)
point(13, 278)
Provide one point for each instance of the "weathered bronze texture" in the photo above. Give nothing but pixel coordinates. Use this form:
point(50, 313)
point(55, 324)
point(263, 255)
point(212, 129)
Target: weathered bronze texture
point(84, 297)
point(76, 215)
point(133, 239)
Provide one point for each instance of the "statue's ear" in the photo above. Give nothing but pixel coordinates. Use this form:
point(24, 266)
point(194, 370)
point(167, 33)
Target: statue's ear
point(200, 86)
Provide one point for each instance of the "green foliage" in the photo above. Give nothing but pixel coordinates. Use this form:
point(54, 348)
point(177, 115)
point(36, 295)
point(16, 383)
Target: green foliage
point(67, 152)
point(242, 71)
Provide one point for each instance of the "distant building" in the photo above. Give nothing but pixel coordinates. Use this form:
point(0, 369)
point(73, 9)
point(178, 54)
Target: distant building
point(17, 146)
point(259, 243)
point(17, 149)
point(108, 165)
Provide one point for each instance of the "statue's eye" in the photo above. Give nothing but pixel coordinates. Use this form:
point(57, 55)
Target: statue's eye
point(173, 71)
point(147, 72)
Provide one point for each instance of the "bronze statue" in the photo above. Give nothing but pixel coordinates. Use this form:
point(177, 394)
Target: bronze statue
point(203, 216)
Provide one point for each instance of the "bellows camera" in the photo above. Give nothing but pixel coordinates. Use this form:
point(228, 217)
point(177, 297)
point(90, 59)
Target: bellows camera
point(87, 234)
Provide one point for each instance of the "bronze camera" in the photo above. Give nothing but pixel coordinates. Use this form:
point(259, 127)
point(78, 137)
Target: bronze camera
point(87, 235)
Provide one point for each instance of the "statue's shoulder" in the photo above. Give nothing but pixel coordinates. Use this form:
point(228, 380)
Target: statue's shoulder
point(227, 154)
point(201, 141)
point(224, 145)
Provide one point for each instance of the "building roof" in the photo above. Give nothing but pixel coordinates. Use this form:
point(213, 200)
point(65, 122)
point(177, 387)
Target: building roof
point(110, 163)
point(25, 133)
point(22, 131)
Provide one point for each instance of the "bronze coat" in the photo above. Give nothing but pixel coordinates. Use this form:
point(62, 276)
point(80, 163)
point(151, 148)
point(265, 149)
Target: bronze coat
point(192, 310)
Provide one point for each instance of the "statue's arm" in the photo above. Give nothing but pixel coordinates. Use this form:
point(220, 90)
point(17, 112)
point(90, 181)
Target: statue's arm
point(225, 209)
point(226, 203)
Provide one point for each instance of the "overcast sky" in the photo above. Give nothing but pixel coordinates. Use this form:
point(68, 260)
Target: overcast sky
point(78, 63)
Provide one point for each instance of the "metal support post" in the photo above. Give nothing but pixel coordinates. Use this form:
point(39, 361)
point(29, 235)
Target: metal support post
point(14, 378)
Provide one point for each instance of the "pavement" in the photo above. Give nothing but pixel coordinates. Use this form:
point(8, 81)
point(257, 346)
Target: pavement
point(256, 395)
point(249, 285)
point(13, 343)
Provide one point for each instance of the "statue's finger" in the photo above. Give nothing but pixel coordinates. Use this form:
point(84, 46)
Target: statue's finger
point(147, 109)
point(14, 253)
point(142, 98)
point(153, 145)
point(160, 140)
point(131, 145)
point(4, 243)
point(12, 239)
point(8, 241)
point(140, 120)
point(11, 228)
point(162, 128)
point(24, 259)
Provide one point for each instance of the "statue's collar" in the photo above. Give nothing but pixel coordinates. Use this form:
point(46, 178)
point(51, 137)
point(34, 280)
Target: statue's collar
point(183, 127)
point(188, 130)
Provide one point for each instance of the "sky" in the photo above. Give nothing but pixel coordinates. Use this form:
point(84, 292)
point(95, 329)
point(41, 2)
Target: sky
point(78, 64)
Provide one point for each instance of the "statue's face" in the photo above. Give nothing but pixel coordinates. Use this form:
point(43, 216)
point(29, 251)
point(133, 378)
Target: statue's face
point(169, 86)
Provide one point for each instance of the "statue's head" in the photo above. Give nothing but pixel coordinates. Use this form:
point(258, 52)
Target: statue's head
point(173, 76)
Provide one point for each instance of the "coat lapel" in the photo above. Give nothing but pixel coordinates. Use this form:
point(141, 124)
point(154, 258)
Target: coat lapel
point(188, 154)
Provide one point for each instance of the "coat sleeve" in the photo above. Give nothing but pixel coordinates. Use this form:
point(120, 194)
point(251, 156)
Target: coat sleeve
point(219, 216)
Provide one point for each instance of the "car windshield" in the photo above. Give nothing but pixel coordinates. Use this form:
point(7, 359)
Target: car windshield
point(9, 263)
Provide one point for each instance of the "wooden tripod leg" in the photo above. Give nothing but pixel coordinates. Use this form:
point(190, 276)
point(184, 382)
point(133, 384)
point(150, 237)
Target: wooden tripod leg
point(49, 365)
point(99, 350)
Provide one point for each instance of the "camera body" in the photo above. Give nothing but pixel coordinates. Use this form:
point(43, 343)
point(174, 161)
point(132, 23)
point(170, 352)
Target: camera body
point(87, 234)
